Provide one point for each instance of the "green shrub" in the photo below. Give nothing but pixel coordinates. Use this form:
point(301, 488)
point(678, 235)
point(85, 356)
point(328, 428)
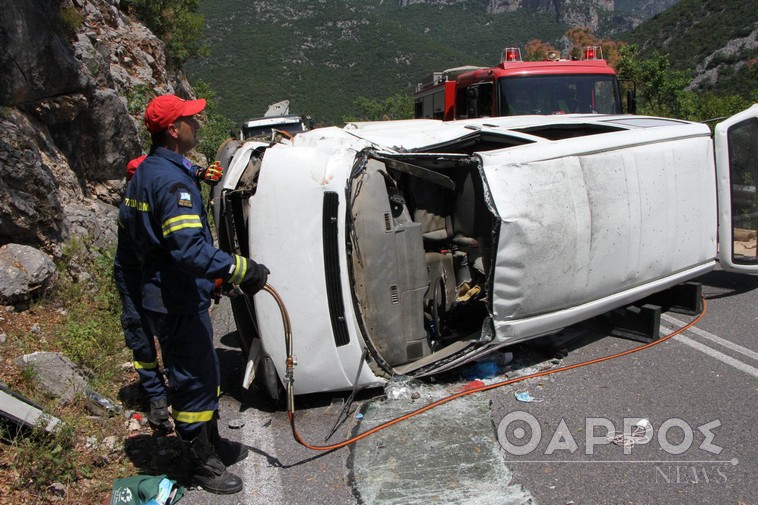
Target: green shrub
point(79, 318)
point(217, 128)
point(91, 334)
point(68, 21)
point(398, 106)
point(176, 23)
point(42, 459)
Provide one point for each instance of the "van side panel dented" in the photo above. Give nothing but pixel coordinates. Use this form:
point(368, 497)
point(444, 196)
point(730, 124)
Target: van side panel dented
point(590, 226)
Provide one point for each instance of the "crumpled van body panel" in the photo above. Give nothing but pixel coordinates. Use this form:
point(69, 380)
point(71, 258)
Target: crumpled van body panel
point(412, 247)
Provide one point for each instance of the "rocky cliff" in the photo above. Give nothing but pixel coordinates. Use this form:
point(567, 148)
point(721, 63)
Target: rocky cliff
point(569, 12)
point(73, 75)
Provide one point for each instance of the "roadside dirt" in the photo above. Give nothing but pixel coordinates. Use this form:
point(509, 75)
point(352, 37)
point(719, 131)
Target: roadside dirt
point(38, 470)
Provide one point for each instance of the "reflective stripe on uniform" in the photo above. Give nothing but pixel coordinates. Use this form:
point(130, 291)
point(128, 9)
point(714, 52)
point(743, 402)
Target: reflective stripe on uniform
point(177, 223)
point(240, 269)
point(193, 417)
point(139, 365)
point(141, 206)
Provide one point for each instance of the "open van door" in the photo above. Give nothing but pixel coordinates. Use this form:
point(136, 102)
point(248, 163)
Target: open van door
point(736, 144)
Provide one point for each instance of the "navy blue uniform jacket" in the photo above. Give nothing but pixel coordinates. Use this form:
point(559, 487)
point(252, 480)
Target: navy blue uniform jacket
point(164, 218)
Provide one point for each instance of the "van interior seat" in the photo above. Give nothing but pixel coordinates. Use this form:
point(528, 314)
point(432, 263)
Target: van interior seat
point(431, 209)
point(464, 213)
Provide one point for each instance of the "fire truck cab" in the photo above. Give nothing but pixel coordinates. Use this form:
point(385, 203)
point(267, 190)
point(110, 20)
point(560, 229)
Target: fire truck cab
point(516, 87)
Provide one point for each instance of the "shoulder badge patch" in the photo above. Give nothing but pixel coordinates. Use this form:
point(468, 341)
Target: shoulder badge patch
point(183, 198)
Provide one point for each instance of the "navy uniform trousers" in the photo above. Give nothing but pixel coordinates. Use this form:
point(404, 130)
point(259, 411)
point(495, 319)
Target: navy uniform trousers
point(133, 322)
point(193, 370)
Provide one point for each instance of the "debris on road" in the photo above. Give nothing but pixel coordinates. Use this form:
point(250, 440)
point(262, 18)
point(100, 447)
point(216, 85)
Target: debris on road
point(524, 396)
point(24, 412)
point(487, 367)
point(402, 387)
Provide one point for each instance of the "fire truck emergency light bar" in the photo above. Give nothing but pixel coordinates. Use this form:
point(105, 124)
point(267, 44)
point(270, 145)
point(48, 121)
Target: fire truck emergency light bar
point(514, 54)
point(510, 54)
point(593, 53)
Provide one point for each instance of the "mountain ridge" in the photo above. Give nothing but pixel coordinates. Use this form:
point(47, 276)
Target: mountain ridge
point(717, 40)
point(372, 48)
point(324, 56)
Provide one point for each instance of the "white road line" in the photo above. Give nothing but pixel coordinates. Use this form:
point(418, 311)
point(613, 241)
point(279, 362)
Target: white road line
point(710, 336)
point(263, 482)
point(739, 365)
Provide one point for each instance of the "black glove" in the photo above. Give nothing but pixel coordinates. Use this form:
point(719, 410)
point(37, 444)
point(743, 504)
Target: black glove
point(255, 280)
point(249, 275)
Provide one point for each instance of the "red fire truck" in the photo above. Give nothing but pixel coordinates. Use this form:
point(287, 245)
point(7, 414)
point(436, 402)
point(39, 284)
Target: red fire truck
point(516, 87)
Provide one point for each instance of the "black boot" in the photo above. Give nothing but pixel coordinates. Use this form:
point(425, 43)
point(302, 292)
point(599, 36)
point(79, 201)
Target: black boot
point(209, 471)
point(158, 416)
point(229, 452)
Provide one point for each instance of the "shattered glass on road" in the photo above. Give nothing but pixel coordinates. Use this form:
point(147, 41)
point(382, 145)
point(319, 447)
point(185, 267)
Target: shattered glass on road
point(447, 455)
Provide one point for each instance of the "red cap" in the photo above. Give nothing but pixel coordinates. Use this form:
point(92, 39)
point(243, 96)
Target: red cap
point(131, 167)
point(165, 109)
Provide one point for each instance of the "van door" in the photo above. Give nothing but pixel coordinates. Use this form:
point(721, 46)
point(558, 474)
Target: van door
point(736, 144)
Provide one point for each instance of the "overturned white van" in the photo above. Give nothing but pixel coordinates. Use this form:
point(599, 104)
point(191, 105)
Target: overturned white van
point(411, 247)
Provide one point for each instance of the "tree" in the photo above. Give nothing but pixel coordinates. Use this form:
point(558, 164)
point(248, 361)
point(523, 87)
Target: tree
point(579, 38)
point(660, 89)
point(398, 106)
point(217, 128)
point(536, 50)
point(176, 22)
point(710, 107)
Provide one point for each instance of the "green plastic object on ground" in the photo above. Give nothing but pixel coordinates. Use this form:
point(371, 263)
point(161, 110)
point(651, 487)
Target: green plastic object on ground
point(145, 490)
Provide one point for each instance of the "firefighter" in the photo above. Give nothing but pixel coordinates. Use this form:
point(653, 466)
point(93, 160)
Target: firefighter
point(127, 276)
point(167, 230)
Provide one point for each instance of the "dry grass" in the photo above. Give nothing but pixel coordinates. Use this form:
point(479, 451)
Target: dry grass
point(80, 320)
point(76, 457)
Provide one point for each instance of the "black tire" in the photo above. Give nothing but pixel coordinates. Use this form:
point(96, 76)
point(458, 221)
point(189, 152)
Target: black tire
point(242, 306)
point(269, 379)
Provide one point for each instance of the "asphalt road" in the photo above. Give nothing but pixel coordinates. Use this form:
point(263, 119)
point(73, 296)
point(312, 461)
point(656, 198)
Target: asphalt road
point(697, 391)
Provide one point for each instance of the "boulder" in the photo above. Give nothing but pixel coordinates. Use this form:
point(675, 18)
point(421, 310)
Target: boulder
point(25, 272)
point(56, 376)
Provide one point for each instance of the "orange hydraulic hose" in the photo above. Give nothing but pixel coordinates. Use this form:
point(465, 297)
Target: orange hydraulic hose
point(331, 447)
